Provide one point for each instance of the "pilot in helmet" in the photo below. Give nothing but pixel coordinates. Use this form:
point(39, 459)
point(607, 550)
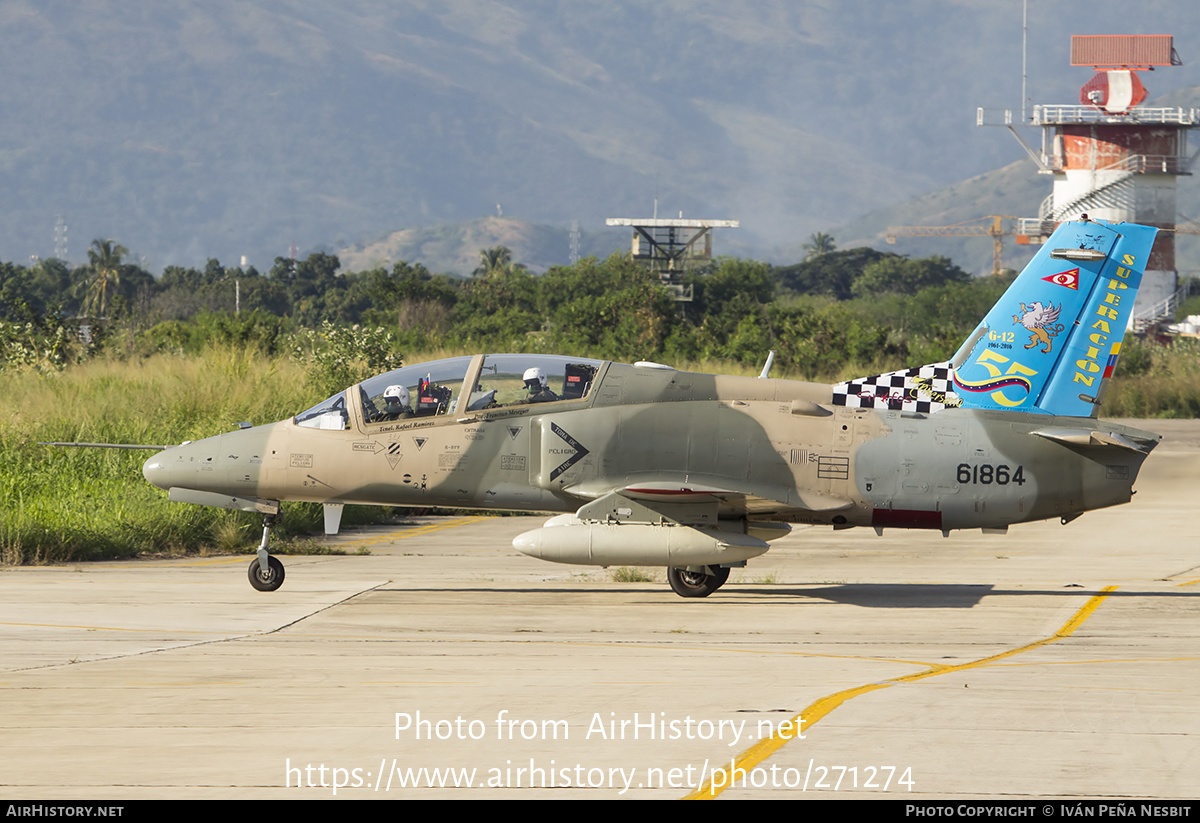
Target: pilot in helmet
point(535, 383)
point(396, 403)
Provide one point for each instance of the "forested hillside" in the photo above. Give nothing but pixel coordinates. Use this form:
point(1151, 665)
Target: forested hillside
point(236, 128)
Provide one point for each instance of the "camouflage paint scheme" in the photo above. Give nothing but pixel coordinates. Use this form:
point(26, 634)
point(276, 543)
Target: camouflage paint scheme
point(696, 472)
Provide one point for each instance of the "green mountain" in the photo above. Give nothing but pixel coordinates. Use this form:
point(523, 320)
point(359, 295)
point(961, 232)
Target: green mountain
point(230, 128)
point(453, 248)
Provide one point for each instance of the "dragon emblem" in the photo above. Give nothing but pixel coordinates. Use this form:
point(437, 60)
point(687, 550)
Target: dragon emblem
point(1040, 320)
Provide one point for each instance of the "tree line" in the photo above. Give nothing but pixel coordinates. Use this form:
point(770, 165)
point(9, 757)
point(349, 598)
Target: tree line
point(835, 310)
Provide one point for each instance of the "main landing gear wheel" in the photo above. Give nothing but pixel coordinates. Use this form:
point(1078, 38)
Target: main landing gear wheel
point(271, 580)
point(687, 583)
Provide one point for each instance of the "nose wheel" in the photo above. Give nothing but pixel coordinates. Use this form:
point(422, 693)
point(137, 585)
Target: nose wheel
point(266, 572)
point(267, 581)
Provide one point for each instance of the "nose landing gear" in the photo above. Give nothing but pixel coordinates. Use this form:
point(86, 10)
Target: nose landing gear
point(266, 572)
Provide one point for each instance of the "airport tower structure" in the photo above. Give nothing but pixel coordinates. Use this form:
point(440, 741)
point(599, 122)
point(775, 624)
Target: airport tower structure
point(669, 247)
point(1113, 159)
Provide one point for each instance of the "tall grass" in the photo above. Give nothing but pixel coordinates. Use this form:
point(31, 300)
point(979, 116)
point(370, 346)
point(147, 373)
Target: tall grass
point(1156, 381)
point(75, 504)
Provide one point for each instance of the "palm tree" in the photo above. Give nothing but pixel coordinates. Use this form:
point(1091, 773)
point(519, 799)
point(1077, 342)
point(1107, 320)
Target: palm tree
point(818, 244)
point(104, 274)
point(493, 261)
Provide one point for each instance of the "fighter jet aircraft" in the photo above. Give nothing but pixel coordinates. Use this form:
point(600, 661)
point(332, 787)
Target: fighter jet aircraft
point(650, 466)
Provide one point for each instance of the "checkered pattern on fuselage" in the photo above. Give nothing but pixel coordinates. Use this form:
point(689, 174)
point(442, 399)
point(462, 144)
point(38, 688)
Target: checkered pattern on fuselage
point(925, 389)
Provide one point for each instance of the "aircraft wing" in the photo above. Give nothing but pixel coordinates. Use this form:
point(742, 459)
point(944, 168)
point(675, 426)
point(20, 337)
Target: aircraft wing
point(657, 500)
point(742, 501)
point(691, 525)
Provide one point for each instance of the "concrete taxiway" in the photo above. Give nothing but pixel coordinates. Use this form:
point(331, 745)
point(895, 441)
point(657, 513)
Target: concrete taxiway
point(1049, 662)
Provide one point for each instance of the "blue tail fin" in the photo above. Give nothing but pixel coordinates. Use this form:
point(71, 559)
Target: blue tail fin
point(1050, 344)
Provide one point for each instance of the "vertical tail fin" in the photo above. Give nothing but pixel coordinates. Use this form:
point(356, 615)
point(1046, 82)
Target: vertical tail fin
point(1050, 344)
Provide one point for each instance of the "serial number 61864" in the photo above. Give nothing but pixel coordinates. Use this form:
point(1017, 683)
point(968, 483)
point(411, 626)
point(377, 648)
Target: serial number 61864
point(987, 474)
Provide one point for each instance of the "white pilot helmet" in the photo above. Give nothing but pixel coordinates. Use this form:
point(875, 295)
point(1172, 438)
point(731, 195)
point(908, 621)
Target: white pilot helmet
point(398, 392)
point(534, 374)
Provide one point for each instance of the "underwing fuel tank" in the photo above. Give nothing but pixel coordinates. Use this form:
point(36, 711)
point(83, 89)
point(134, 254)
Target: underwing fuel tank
point(565, 539)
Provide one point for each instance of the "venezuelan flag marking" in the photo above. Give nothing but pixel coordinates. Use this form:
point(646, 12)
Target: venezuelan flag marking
point(1112, 360)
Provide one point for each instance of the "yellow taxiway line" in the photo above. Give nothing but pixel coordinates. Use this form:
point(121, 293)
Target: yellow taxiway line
point(414, 532)
point(766, 747)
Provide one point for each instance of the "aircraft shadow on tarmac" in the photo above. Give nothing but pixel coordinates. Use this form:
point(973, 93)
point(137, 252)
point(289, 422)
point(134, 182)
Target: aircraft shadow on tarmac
point(867, 595)
point(864, 595)
point(945, 596)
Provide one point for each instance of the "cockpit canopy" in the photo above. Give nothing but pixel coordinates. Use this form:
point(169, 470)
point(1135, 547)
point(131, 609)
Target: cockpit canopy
point(437, 388)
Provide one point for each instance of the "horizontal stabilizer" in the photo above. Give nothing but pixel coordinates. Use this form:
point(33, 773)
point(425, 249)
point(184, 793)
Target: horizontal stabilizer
point(1092, 439)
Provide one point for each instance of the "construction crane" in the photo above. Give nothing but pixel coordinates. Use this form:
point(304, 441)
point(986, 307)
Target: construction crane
point(1190, 227)
point(990, 226)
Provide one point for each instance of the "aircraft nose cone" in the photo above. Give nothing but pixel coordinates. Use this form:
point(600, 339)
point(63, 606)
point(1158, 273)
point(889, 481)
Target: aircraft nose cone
point(155, 471)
